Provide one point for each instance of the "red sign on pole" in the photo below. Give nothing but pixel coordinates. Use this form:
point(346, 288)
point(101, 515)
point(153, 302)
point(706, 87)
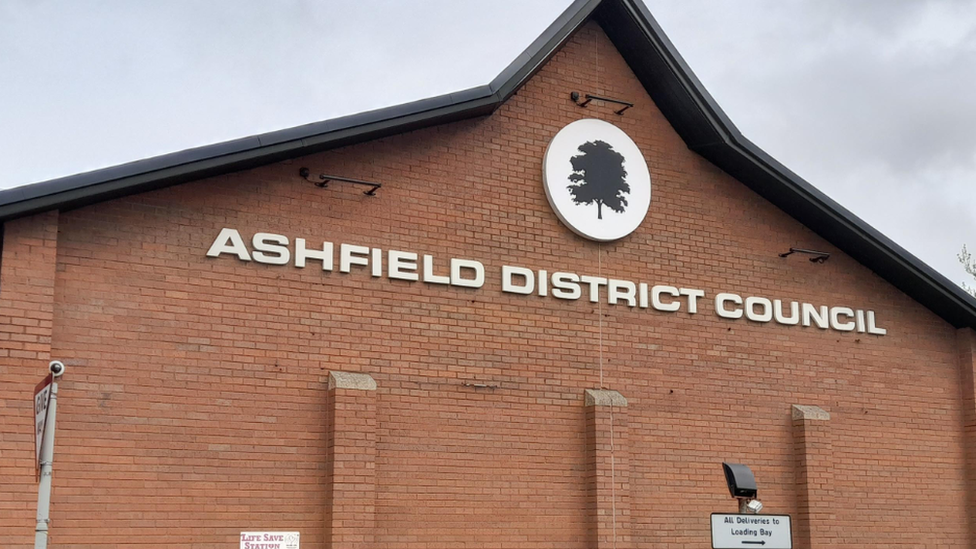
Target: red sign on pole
point(42, 398)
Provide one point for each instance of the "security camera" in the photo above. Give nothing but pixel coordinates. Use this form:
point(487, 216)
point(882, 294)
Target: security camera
point(754, 506)
point(57, 368)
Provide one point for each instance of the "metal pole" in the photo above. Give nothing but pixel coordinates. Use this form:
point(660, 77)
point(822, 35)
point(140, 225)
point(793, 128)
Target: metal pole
point(47, 463)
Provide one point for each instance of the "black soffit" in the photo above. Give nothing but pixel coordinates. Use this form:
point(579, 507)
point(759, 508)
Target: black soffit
point(689, 108)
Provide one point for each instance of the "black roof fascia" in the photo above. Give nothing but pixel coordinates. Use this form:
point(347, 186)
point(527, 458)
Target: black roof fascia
point(675, 89)
point(846, 231)
point(538, 53)
point(171, 169)
point(708, 131)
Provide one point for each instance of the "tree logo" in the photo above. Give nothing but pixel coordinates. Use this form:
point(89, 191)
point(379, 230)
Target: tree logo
point(594, 163)
point(599, 177)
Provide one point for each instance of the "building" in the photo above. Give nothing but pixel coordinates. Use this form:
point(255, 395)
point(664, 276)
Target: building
point(249, 351)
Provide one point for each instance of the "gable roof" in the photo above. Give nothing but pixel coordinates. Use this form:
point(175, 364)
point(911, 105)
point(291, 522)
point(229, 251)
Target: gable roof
point(669, 82)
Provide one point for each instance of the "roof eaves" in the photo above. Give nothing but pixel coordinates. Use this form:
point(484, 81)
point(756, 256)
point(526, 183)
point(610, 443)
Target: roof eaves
point(644, 33)
point(708, 131)
point(170, 169)
point(511, 78)
point(853, 235)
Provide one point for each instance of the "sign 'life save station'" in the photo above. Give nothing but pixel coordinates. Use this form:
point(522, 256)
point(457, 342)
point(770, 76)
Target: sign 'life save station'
point(759, 531)
point(270, 540)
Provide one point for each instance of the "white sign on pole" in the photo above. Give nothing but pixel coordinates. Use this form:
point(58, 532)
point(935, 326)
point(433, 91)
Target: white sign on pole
point(42, 398)
point(756, 531)
point(269, 540)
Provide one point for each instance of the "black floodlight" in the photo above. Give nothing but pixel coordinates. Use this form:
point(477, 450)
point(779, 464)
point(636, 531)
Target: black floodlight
point(742, 483)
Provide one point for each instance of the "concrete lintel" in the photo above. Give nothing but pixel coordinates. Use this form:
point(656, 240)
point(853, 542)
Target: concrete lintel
point(815, 413)
point(349, 380)
point(604, 397)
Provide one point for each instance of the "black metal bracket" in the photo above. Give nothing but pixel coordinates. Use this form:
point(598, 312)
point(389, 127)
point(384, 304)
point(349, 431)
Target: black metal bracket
point(479, 385)
point(324, 180)
point(575, 96)
point(820, 256)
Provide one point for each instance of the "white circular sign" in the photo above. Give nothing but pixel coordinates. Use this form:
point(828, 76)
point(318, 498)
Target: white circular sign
point(596, 180)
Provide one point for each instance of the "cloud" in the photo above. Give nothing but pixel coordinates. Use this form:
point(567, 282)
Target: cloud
point(103, 84)
point(868, 100)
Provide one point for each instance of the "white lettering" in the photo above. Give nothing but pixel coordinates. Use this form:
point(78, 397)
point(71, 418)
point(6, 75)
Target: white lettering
point(791, 320)
point(810, 313)
point(274, 249)
point(656, 302)
point(302, 253)
point(564, 286)
point(767, 309)
point(429, 275)
point(621, 289)
point(377, 260)
point(873, 328)
point(835, 322)
point(458, 266)
point(402, 265)
point(693, 296)
point(595, 282)
point(721, 300)
point(229, 241)
point(509, 285)
point(274, 244)
point(350, 255)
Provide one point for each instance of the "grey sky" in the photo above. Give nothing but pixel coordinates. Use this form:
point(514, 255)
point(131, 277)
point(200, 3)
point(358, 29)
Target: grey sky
point(870, 101)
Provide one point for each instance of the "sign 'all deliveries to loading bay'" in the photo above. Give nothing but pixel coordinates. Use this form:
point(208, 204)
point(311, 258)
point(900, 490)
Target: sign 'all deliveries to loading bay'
point(758, 531)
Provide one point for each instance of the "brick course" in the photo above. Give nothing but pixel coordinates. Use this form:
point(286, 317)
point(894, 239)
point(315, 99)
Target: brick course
point(196, 401)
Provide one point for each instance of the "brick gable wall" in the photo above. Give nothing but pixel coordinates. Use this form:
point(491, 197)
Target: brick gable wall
point(196, 402)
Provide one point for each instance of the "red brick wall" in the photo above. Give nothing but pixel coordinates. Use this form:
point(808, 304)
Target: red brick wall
point(196, 405)
point(27, 279)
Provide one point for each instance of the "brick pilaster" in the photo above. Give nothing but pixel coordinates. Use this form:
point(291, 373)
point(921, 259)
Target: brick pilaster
point(813, 524)
point(966, 344)
point(351, 460)
point(27, 274)
point(608, 462)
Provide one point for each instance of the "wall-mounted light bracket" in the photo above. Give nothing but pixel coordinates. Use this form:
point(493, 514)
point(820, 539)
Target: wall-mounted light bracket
point(575, 96)
point(478, 385)
point(324, 180)
point(819, 257)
